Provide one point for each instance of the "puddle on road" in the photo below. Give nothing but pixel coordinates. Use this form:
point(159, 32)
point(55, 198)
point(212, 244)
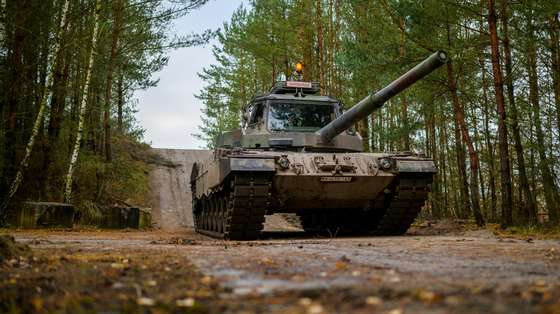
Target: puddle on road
point(242, 283)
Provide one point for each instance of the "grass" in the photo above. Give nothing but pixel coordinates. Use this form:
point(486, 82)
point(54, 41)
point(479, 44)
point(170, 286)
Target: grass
point(454, 226)
point(536, 231)
point(124, 181)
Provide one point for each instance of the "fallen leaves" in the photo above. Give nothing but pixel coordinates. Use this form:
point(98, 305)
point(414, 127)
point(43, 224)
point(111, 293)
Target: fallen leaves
point(539, 291)
point(429, 297)
point(180, 241)
point(118, 266)
point(188, 302)
point(37, 304)
point(305, 301)
point(207, 280)
point(373, 301)
point(311, 307)
point(267, 261)
point(150, 283)
point(340, 265)
point(315, 309)
point(454, 300)
point(145, 301)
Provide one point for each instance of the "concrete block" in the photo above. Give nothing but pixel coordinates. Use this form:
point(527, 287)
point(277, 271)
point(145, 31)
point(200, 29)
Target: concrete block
point(126, 217)
point(31, 215)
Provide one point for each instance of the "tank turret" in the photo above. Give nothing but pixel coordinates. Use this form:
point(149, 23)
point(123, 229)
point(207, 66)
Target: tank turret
point(375, 101)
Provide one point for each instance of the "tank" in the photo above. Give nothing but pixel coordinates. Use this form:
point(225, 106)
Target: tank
point(297, 152)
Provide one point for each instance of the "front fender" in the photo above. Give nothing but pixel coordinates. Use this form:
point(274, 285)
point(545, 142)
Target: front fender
point(252, 164)
point(416, 166)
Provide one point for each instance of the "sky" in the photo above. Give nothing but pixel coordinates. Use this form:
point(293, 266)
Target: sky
point(169, 112)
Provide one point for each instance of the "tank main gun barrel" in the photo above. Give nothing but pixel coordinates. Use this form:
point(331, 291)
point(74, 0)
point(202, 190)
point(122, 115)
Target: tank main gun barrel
point(375, 101)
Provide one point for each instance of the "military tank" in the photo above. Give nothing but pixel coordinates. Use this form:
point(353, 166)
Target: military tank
point(297, 153)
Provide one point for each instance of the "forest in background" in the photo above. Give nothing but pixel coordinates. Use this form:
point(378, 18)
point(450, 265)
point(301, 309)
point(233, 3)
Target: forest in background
point(490, 118)
point(68, 70)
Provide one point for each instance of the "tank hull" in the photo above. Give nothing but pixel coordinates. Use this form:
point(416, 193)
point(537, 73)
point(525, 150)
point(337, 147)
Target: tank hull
point(316, 186)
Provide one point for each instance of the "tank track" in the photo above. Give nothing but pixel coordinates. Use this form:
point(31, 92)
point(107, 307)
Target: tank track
point(410, 194)
point(235, 210)
point(392, 214)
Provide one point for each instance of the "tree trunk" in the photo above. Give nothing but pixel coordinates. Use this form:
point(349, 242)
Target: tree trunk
point(489, 146)
point(473, 155)
point(117, 12)
point(404, 117)
point(57, 105)
point(120, 102)
point(404, 100)
point(363, 129)
point(505, 177)
point(39, 119)
point(549, 186)
point(16, 37)
point(320, 52)
point(431, 148)
point(76, 149)
point(554, 33)
point(444, 153)
point(527, 204)
point(465, 208)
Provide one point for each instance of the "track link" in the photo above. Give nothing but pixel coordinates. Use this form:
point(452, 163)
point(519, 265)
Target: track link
point(236, 210)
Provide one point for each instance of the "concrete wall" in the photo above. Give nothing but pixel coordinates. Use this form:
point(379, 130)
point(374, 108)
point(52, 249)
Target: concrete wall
point(170, 191)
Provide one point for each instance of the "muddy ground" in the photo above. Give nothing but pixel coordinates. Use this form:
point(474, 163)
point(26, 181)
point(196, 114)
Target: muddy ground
point(286, 272)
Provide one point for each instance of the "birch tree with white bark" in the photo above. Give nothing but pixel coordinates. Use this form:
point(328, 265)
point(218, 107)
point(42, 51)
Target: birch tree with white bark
point(83, 103)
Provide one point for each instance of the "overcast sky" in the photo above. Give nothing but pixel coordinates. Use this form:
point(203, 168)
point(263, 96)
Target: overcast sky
point(169, 112)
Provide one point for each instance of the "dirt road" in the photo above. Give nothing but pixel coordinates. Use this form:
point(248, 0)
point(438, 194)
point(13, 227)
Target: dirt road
point(286, 272)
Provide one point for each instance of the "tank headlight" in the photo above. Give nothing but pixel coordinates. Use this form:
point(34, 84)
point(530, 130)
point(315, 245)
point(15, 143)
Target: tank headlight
point(385, 163)
point(284, 162)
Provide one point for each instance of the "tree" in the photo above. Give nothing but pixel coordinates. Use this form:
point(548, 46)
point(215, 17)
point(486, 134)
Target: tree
point(550, 188)
point(39, 119)
point(505, 178)
point(526, 195)
point(83, 103)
